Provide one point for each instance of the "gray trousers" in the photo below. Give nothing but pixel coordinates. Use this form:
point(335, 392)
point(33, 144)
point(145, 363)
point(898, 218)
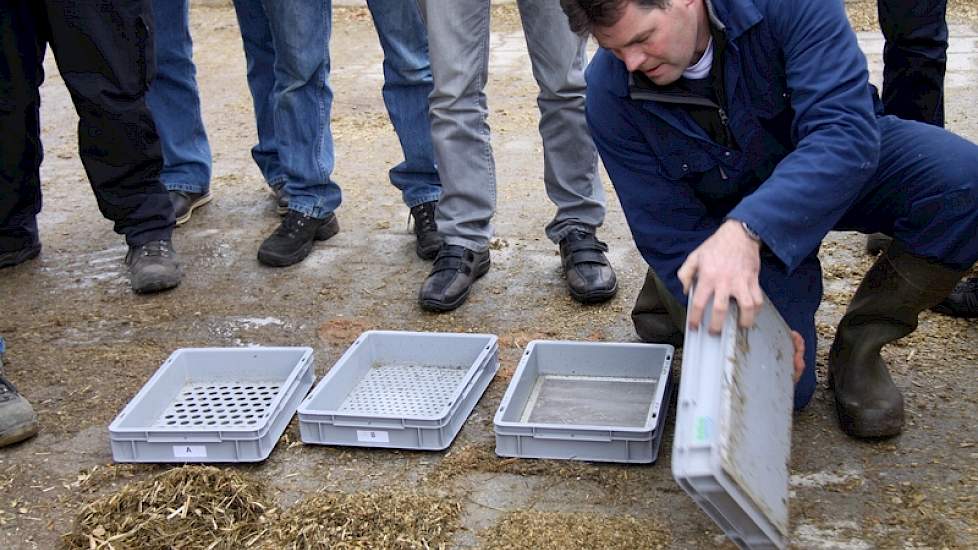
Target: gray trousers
point(458, 39)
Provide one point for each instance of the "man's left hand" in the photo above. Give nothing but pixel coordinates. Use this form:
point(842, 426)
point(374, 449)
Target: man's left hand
point(727, 265)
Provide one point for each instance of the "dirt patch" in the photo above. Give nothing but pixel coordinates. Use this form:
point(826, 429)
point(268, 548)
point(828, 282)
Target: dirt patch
point(339, 332)
point(559, 531)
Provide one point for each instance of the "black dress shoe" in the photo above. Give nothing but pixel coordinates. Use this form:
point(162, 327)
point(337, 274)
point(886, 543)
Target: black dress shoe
point(962, 302)
point(185, 202)
point(292, 240)
point(426, 231)
point(451, 278)
point(590, 277)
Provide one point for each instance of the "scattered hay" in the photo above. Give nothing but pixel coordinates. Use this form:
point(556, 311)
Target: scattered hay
point(481, 457)
point(195, 507)
point(384, 520)
point(559, 531)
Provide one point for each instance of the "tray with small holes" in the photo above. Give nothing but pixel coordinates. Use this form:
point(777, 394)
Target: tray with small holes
point(213, 405)
point(403, 390)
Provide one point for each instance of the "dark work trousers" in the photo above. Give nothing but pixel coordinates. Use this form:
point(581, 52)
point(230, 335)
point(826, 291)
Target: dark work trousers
point(914, 58)
point(103, 49)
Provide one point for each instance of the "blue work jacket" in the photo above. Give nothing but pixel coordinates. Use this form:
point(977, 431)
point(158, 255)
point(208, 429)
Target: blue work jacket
point(800, 109)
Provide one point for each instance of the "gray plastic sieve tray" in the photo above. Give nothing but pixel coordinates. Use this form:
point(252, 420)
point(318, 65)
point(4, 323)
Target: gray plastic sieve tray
point(407, 390)
point(213, 405)
point(586, 401)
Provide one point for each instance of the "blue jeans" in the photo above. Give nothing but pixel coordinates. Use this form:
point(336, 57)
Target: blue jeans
point(175, 103)
point(287, 50)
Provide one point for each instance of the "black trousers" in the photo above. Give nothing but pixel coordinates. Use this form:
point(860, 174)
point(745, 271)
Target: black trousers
point(104, 52)
point(914, 58)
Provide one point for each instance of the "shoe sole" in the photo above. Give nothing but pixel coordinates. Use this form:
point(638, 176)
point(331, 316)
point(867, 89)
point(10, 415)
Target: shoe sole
point(20, 256)
point(157, 286)
point(594, 296)
point(326, 232)
point(435, 305)
point(193, 206)
point(882, 428)
point(18, 433)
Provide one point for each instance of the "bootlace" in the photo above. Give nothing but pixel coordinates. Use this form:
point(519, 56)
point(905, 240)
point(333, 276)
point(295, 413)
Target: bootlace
point(156, 248)
point(424, 218)
point(292, 224)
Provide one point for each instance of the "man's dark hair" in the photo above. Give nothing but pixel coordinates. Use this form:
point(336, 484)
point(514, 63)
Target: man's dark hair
point(584, 15)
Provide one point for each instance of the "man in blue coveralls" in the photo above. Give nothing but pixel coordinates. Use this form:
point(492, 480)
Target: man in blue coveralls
point(737, 133)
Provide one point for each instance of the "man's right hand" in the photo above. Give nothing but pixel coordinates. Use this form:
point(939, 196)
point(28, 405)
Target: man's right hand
point(725, 266)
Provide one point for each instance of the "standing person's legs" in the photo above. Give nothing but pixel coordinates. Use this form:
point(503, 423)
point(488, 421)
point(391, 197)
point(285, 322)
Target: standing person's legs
point(458, 38)
point(23, 31)
point(302, 102)
point(256, 37)
point(570, 159)
point(914, 58)
point(924, 194)
point(407, 84)
point(105, 54)
point(175, 103)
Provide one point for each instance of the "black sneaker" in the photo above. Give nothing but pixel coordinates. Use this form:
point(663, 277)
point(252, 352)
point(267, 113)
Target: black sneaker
point(590, 277)
point(292, 240)
point(15, 257)
point(281, 200)
point(153, 267)
point(426, 230)
point(962, 302)
point(185, 202)
point(451, 278)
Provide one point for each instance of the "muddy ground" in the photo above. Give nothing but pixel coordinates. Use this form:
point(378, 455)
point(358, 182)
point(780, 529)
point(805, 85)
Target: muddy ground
point(81, 345)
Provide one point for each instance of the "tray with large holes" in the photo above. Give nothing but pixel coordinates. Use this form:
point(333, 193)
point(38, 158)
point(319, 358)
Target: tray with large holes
point(213, 405)
point(404, 390)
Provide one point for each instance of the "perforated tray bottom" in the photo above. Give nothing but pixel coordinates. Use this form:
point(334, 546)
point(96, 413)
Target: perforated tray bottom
point(590, 400)
point(404, 389)
point(219, 404)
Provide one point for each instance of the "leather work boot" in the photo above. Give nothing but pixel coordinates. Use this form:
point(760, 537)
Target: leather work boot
point(292, 240)
point(962, 301)
point(153, 267)
point(17, 418)
point(590, 277)
point(885, 308)
point(658, 317)
point(876, 243)
point(456, 269)
point(185, 202)
point(426, 230)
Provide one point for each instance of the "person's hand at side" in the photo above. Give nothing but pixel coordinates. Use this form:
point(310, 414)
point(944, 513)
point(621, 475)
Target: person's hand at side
point(725, 266)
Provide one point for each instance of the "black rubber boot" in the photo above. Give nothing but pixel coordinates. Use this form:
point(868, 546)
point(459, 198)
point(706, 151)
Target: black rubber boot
point(876, 243)
point(885, 308)
point(658, 317)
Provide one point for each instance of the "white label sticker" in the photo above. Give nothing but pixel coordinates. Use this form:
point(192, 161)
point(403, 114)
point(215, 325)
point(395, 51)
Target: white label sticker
point(373, 436)
point(190, 451)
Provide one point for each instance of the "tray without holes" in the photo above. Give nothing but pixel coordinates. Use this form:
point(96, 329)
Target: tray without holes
point(585, 401)
point(213, 405)
point(733, 426)
point(405, 390)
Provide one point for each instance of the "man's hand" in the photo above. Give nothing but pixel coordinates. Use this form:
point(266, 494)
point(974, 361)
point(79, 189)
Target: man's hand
point(799, 358)
point(726, 265)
